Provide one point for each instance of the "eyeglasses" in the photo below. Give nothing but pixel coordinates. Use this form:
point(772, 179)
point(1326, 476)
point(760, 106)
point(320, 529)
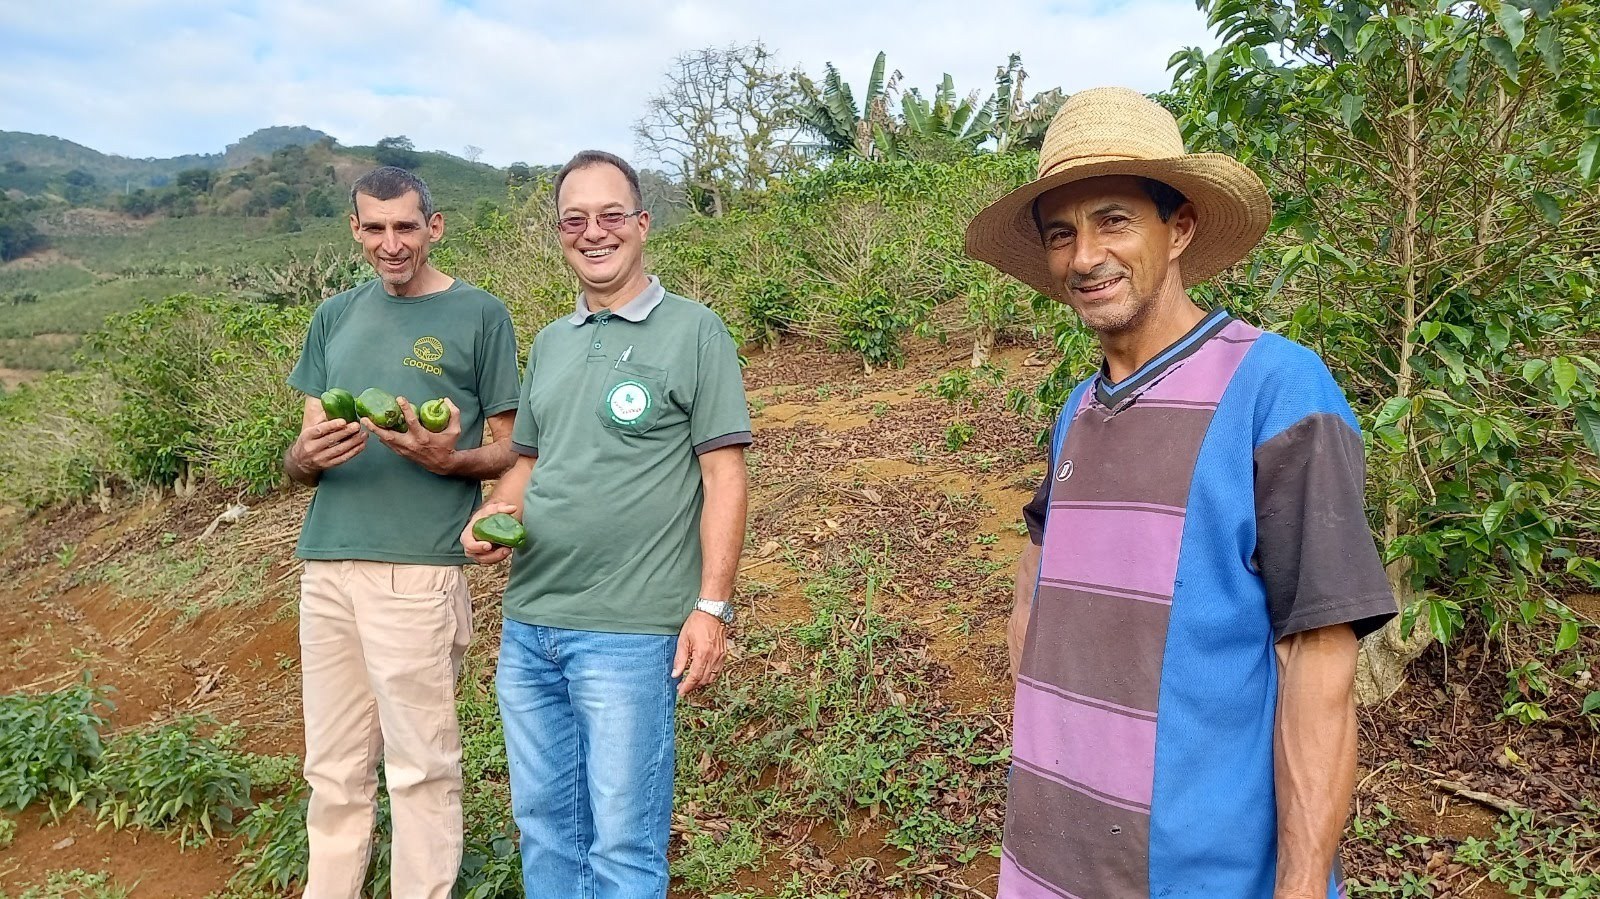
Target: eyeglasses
point(608, 221)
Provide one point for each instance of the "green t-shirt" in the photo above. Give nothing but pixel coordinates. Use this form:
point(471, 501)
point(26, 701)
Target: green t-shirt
point(456, 343)
point(617, 406)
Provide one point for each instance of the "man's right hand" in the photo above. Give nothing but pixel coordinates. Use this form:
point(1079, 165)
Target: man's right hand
point(327, 444)
point(479, 551)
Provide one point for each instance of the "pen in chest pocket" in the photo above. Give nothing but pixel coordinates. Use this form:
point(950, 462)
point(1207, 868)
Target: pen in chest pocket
point(623, 358)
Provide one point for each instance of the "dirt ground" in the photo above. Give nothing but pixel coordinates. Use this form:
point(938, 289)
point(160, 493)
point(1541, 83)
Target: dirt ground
point(839, 454)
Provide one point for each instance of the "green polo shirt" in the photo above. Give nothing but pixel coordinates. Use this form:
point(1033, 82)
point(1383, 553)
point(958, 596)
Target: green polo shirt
point(456, 343)
point(617, 406)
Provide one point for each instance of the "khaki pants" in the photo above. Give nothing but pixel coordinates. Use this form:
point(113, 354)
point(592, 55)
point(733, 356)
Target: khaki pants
point(380, 647)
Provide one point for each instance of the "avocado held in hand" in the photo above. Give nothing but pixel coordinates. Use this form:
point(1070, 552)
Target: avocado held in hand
point(338, 403)
point(434, 415)
point(381, 409)
point(501, 530)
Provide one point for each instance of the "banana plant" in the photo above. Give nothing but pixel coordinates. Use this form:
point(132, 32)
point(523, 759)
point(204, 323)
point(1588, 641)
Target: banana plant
point(830, 110)
point(943, 128)
point(1019, 120)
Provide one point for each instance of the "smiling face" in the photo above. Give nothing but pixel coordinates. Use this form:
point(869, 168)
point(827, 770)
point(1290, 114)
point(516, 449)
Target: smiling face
point(396, 239)
point(609, 264)
point(1114, 258)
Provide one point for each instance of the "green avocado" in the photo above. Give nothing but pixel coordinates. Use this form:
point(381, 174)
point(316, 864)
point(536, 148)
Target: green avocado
point(501, 530)
point(380, 407)
point(434, 415)
point(338, 403)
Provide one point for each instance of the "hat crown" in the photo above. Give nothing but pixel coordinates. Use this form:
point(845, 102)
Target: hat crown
point(1107, 123)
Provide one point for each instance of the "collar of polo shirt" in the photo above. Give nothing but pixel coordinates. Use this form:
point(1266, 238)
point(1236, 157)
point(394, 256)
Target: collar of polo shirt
point(635, 310)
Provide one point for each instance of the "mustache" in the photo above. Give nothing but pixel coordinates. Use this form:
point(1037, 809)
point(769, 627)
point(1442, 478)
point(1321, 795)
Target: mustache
point(1098, 275)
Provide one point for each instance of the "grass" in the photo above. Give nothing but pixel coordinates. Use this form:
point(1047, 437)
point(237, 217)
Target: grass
point(832, 723)
point(74, 884)
point(176, 575)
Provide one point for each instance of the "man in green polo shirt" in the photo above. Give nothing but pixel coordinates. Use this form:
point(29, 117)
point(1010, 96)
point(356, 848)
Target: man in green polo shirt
point(384, 610)
point(631, 483)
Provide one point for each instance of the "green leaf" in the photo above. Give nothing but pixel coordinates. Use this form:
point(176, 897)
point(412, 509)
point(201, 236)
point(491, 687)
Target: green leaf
point(1460, 76)
point(1393, 410)
point(1542, 8)
point(1591, 703)
point(1568, 637)
point(1589, 426)
point(1565, 373)
point(1430, 330)
point(1504, 55)
point(1499, 336)
point(1440, 620)
point(1589, 159)
point(1350, 106)
point(1533, 369)
point(1494, 516)
point(1549, 207)
point(1510, 19)
point(1548, 43)
point(1482, 430)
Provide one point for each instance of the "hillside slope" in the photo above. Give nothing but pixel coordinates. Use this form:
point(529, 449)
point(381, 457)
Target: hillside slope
point(857, 744)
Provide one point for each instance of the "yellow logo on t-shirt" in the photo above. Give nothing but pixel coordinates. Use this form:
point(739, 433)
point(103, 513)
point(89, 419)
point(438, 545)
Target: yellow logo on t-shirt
point(427, 350)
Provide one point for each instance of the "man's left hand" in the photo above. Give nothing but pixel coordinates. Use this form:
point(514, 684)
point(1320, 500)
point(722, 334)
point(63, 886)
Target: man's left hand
point(434, 452)
point(701, 645)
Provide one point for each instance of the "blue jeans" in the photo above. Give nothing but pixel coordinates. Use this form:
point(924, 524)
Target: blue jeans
point(589, 734)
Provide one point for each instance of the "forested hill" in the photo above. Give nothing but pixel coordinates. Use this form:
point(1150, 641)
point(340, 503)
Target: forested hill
point(31, 162)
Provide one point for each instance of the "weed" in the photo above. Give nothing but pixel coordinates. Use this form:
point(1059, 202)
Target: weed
point(271, 773)
point(75, 884)
point(958, 435)
point(880, 409)
point(66, 554)
point(987, 539)
point(1539, 859)
point(8, 832)
point(711, 858)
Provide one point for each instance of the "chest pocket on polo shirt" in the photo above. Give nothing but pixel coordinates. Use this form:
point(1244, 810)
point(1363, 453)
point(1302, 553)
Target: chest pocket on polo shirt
point(632, 398)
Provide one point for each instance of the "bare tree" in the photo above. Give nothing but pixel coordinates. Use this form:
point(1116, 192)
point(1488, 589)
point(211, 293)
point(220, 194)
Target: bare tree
point(725, 125)
point(472, 153)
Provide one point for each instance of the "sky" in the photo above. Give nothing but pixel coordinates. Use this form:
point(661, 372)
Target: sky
point(525, 80)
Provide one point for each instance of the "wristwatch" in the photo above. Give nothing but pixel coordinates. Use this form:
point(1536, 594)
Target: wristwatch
point(718, 609)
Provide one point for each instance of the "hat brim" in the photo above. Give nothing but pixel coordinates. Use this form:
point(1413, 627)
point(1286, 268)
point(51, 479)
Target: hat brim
point(1232, 211)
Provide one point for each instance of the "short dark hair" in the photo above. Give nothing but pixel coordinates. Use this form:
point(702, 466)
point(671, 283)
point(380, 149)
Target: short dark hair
point(1168, 200)
point(391, 183)
point(588, 158)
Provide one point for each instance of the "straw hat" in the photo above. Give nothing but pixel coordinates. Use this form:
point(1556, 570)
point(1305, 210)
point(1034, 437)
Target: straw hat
point(1117, 131)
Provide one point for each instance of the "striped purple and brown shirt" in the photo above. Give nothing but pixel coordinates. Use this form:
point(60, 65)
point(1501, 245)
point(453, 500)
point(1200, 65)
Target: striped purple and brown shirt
point(1192, 515)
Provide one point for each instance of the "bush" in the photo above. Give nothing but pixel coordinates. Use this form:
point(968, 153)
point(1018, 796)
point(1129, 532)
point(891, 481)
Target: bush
point(172, 778)
point(201, 380)
point(49, 743)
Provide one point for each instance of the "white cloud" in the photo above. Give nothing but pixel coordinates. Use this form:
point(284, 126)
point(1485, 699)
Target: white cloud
point(525, 81)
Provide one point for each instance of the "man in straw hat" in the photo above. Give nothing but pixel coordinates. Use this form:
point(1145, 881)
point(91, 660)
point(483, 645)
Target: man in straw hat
point(1184, 639)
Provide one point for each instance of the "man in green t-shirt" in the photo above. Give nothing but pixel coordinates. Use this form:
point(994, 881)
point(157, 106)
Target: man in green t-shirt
point(630, 479)
point(384, 610)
